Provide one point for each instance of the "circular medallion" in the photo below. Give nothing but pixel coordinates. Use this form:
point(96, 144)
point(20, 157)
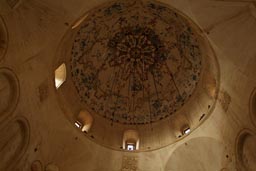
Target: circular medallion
point(135, 62)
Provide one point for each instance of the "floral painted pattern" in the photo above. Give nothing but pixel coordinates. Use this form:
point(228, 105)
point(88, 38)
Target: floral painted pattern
point(136, 51)
point(135, 62)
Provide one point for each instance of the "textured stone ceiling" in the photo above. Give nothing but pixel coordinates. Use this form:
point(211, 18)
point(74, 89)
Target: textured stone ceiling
point(135, 62)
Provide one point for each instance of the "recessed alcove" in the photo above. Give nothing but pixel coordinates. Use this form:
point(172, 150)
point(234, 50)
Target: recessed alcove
point(9, 93)
point(131, 140)
point(14, 142)
point(246, 150)
point(198, 154)
point(84, 121)
point(186, 130)
point(3, 38)
point(252, 106)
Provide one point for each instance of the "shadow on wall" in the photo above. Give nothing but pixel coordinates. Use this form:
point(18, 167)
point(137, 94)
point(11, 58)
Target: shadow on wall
point(14, 142)
point(9, 93)
point(246, 150)
point(199, 154)
point(253, 107)
point(3, 39)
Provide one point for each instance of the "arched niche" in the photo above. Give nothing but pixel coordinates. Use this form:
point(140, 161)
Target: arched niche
point(3, 38)
point(246, 150)
point(253, 107)
point(9, 93)
point(13, 143)
point(131, 140)
point(181, 126)
point(199, 154)
point(85, 119)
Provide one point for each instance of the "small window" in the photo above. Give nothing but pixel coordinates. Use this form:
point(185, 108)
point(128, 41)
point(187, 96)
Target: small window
point(131, 140)
point(131, 147)
point(78, 124)
point(187, 131)
point(86, 120)
point(60, 75)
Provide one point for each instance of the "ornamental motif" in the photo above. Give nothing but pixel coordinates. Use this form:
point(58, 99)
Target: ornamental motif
point(135, 62)
point(136, 51)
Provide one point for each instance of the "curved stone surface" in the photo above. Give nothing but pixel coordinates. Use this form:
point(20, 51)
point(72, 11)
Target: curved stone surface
point(136, 62)
point(13, 143)
point(253, 107)
point(198, 154)
point(131, 68)
point(246, 150)
point(9, 93)
point(3, 38)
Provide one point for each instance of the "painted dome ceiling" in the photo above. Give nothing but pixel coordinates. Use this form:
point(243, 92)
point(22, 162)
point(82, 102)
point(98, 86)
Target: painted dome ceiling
point(135, 62)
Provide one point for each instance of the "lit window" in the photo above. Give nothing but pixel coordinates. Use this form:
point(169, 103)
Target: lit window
point(187, 131)
point(131, 140)
point(85, 120)
point(130, 147)
point(78, 124)
point(60, 75)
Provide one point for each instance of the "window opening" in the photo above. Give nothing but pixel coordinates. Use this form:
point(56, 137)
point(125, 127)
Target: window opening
point(60, 75)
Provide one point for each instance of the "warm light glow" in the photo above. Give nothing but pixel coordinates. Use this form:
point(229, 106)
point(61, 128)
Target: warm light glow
point(86, 128)
point(187, 131)
point(79, 21)
point(77, 124)
point(130, 147)
point(86, 120)
point(60, 75)
point(131, 140)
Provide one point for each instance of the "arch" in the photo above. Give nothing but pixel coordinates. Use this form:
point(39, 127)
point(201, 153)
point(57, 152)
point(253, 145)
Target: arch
point(252, 105)
point(184, 131)
point(182, 127)
point(3, 38)
point(60, 75)
point(199, 154)
point(131, 140)
point(246, 150)
point(9, 93)
point(85, 120)
point(14, 142)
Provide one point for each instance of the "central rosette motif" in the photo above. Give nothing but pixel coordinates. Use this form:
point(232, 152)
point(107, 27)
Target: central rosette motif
point(137, 50)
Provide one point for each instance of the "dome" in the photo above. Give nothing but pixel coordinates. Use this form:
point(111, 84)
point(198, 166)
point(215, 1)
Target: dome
point(138, 65)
